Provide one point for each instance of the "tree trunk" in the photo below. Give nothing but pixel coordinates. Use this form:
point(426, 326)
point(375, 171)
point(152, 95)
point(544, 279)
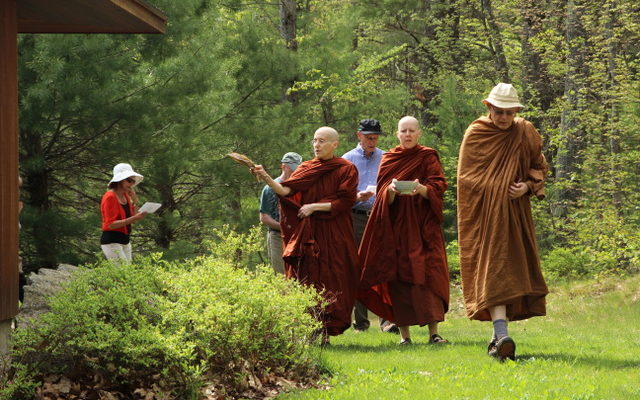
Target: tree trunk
point(569, 157)
point(495, 41)
point(288, 20)
point(612, 102)
point(537, 92)
point(165, 233)
point(37, 186)
point(327, 110)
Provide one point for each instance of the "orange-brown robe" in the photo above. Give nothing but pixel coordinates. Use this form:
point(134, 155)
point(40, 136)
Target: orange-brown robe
point(498, 254)
point(405, 277)
point(320, 250)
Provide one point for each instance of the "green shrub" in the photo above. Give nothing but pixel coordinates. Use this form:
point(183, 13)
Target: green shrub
point(453, 259)
point(171, 326)
point(566, 263)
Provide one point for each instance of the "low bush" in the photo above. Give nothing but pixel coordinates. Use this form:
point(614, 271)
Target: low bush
point(168, 328)
point(566, 263)
point(453, 259)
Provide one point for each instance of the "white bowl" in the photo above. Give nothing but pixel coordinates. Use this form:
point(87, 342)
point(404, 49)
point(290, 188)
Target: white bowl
point(405, 187)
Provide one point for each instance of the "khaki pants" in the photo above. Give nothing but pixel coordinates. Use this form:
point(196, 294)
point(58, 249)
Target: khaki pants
point(117, 251)
point(274, 248)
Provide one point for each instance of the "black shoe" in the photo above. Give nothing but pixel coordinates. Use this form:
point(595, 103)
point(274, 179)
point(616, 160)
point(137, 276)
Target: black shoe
point(405, 342)
point(492, 349)
point(360, 327)
point(506, 348)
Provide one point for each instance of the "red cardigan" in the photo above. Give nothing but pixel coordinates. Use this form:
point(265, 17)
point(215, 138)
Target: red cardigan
point(112, 210)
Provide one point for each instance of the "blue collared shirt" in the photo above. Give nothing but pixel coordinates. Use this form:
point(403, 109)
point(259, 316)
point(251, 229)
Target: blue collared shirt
point(367, 172)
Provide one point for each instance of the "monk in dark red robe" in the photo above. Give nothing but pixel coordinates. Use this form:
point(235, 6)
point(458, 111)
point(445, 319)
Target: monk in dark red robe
point(405, 276)
point(315, 212)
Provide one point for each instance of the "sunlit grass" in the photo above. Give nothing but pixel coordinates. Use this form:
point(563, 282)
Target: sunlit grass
point(587, 347)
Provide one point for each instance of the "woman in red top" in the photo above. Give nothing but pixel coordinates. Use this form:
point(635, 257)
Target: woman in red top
point(119, 212)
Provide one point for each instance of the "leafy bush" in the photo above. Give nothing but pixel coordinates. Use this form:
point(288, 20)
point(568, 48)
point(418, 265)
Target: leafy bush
point(171, 327)
point(453, 259)
point(566, 263)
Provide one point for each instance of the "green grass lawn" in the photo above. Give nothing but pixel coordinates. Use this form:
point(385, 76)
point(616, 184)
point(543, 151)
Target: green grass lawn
point(587, 347)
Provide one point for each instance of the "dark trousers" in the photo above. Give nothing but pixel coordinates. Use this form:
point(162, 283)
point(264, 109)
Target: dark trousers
point(360, 312)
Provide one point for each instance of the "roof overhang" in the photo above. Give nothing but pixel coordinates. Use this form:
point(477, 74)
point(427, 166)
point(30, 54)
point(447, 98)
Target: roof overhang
point(89, 16)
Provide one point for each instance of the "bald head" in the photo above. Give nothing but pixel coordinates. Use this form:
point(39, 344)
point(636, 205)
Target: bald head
point(409, 120)
point(325, 142)
point(328, 133)
point(408, 132)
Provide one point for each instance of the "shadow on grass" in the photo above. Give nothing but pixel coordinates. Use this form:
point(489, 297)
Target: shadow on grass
point(471, 343)
point(381, 348)
point(601, 362)
point(375, 348)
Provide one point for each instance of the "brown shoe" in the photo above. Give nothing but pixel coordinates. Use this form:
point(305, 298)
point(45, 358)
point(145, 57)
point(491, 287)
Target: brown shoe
point(405, 342)
point(437, 339)
point(503, 349)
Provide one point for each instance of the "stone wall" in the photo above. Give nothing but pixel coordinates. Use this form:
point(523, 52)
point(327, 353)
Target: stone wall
point(40, 286)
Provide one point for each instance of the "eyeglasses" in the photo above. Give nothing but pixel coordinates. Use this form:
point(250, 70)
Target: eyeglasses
point(503, 112)
point(130, 180)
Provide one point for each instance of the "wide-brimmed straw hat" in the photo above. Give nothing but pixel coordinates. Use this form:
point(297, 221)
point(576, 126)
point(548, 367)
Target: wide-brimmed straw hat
point(123, 171)
point(503, 95)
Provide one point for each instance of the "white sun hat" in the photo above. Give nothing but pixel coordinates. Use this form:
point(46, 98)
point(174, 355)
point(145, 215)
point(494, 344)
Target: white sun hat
point(503, 95)
point(123, 171)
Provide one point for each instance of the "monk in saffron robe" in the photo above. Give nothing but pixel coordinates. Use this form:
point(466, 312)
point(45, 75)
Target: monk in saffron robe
point(500, 166)
point(405, 277)
point(319, 246)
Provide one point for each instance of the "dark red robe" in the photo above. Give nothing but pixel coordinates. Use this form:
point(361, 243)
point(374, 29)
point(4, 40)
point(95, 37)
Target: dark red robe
point(320, 250)
point(405, 276)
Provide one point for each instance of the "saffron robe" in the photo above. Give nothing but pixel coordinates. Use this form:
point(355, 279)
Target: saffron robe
point(320, 250)
point(405, 277)
point(499, 260)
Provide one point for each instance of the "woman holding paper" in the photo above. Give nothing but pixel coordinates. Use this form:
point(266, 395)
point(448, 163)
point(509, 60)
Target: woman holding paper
point(119, 211)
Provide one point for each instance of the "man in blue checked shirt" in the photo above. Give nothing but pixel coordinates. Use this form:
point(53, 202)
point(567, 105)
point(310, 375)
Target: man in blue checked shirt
point(366, 157)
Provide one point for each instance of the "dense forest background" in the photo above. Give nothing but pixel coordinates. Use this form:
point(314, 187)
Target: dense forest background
point(258, 77)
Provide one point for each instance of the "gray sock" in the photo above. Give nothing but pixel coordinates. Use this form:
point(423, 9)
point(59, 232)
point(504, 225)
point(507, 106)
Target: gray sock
point(500, 329)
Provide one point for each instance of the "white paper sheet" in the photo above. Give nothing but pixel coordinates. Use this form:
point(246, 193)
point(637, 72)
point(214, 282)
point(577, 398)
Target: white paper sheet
point(149, 207)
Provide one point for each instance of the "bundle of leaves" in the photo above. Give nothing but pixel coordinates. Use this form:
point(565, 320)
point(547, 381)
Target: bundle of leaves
point(157, 329)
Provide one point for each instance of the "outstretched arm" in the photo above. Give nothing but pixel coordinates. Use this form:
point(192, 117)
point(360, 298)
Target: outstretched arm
point(276, 186)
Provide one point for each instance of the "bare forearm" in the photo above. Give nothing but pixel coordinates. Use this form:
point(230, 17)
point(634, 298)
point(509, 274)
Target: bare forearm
point(310, 208)
point(267, 220)
point(422, 190)
point(392, 196)
point(275, 186)
point(322, 206)
point(127, 221)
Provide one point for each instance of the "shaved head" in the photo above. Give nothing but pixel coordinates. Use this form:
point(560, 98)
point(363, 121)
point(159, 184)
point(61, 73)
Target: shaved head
point(327, 133)
point(325, 142)
point(408, 132)
point(409, 120)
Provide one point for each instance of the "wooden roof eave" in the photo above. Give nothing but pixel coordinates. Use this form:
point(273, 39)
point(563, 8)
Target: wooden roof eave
point(89, 16)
